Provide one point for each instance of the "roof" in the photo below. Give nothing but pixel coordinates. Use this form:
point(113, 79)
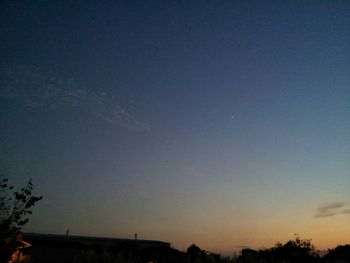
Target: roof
point(88, 240)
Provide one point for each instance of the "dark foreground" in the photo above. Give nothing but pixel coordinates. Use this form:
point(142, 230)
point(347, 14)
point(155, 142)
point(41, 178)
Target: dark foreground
point(74, 249)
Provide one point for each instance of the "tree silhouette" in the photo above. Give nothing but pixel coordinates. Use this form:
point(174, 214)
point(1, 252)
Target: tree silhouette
point(15, 206)
point(298, 250)
point(339, 254)
point(196, 255)
point(193, 253)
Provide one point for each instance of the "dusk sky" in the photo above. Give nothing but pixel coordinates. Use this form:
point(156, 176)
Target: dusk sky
point(220, 123)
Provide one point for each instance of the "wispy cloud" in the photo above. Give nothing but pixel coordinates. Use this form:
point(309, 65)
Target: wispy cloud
point(37, 90)
point(332, 209)
point(346, 211)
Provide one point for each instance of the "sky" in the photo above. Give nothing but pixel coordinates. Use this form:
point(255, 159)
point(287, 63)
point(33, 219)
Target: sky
point(220, 123)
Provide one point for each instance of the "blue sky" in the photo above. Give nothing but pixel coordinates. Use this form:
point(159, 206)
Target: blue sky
point(223, 123)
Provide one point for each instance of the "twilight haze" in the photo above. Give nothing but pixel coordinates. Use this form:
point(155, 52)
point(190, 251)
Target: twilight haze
point(220, 123)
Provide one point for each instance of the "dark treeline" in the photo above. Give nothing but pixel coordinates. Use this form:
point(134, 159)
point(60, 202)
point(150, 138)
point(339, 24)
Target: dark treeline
point(293, 251)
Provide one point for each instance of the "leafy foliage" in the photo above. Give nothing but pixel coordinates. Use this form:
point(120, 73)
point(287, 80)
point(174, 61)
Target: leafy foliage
point(15, 206)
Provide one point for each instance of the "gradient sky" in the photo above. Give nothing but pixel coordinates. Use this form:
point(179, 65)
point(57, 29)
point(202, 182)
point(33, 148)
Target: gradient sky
point(220, 123)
